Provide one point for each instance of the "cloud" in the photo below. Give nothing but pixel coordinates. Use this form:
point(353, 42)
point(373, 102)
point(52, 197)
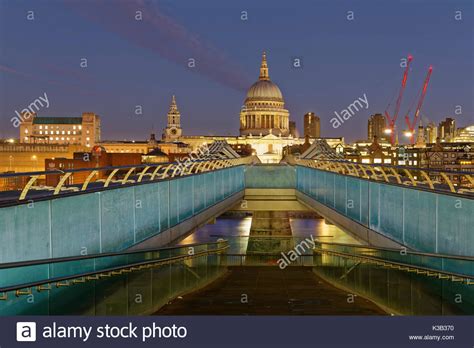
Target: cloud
point(161, 34)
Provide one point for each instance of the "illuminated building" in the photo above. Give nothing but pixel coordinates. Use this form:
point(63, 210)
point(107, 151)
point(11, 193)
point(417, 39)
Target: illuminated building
point(264, 108)
point(173, 127)
point(312, 125)
point(264, 123)
point(431, 133)
point(447, 130)
point(465, 135)
point(376, 126)
point(84, 130)
point(370, 153)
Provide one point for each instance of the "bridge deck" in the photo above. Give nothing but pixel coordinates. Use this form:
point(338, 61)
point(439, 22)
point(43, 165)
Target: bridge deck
point(270, 291)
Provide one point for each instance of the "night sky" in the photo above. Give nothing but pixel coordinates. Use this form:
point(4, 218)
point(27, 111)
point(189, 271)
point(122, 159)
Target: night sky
point(144, 62)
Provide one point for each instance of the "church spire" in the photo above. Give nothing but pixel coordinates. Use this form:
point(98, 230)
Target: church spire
point(173, 106)
point(264, 68)
point(173, 128)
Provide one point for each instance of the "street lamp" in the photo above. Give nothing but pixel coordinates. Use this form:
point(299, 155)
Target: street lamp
point(387, 131)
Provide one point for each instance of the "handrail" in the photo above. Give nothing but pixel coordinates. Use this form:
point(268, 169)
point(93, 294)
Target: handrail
point(110, 271)
point(238, 161)
point(170, 169)
point(403, 266)
point(392, 166)
point(96, 256)
point(465, 188)
point(62, 171)
point(398, 250)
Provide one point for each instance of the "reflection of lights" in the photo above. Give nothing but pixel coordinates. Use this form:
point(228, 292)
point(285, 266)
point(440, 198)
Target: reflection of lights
point(244, 225)
point(191, 239)
point(34, 157)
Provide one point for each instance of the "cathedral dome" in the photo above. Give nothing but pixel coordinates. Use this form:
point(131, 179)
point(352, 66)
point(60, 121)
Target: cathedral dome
point(264, 108)
point(264, 90)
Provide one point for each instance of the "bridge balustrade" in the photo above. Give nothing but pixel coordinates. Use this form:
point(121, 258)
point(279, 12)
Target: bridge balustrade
point(422, 219)
point(110, 219)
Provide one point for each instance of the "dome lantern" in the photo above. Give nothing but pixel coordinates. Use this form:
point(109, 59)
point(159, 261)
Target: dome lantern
point(264, 68)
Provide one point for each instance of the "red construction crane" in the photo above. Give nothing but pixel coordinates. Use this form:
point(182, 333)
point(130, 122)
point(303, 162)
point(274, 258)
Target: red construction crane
point(392, 120)
point(411, 126)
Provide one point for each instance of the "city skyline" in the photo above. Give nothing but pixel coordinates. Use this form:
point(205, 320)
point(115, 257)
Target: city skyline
point(146, 72)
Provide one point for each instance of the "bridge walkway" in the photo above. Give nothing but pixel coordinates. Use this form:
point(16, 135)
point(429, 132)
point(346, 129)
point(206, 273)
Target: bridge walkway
point(263, 290)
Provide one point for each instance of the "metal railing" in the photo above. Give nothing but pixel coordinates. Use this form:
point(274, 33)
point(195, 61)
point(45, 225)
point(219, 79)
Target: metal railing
point(266, 259)
point(117, 175)
point(450, 267)
point(398, 175)
point(22, 278)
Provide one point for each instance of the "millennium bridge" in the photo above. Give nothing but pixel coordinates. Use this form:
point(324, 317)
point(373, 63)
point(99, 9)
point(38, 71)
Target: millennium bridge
point(129, 243)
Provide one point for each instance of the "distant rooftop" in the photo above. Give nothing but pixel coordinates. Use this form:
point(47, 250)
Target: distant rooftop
point(57, 120)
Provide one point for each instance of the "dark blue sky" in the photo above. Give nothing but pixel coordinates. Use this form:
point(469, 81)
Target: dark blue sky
point(144, 62)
